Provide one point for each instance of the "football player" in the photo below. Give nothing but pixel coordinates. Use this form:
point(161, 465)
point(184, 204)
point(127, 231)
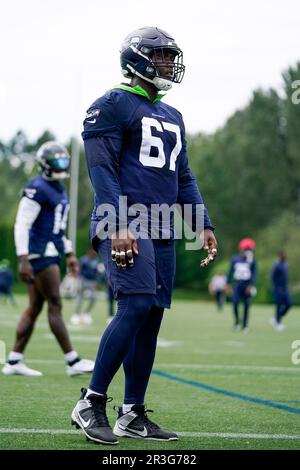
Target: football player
point(6, 281)
point(243, 273)
point(217, 288)
point(40, 244)
point(282, 298)
point(135, 146)
point(89, 280)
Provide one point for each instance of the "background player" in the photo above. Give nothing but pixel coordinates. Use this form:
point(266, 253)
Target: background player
point(89, 280)
point(6, 281)
point(243, 273)
point(217, 287)
point(282, 298)
point(40, 243)
point(135, 146)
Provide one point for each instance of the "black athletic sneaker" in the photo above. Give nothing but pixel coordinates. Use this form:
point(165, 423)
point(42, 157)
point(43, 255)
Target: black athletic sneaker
point(89, 415)
point(136, 424)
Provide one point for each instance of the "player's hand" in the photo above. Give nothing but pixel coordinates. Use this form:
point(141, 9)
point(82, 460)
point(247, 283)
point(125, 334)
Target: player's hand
point(72, 265)
point(123, 248)
point(251, 291)
point(25, 269)
point(211, 246)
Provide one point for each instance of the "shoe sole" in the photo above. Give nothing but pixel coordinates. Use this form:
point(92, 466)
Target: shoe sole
point(76, 422)
point(120, 433)
point(7, 373)
point(74, 374)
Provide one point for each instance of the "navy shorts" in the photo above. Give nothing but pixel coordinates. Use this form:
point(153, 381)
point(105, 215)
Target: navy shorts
point(39, 264)
point(153, 271)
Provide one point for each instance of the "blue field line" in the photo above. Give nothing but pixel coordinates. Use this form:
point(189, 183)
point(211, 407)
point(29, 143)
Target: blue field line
point(288, 401)
point(228, 393)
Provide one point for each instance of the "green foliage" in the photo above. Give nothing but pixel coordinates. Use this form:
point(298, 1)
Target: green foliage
point(240, 169)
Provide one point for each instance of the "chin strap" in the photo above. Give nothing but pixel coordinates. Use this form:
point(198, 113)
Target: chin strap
point(162, 83)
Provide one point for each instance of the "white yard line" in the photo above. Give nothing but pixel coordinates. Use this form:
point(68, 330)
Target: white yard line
point(222, 435)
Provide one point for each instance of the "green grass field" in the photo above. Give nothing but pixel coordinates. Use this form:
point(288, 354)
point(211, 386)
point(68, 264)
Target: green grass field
point(218, 388)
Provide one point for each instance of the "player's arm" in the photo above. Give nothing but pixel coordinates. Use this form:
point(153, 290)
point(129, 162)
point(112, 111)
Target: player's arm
point(102, 157)
point(189, 193)
point(229, 276)
point(28, 212)
point(273, 274)
point(103, 136)
point(230, 272)
point(253, 279)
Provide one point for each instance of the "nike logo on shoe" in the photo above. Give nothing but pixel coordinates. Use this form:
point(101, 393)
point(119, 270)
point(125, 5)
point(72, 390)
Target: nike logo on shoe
point(85, 423)
point(142, 433)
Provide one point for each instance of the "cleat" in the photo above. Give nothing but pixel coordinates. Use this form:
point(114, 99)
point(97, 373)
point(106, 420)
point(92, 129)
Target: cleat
point(81, 367)
point(90, 416)
point(19, 368)
point(75, 320)
point(277, 326)
point(137, 425)
point(86, 319)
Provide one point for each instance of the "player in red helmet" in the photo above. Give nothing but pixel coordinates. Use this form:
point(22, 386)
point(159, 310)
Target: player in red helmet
point(243, 273)
point(247, 244)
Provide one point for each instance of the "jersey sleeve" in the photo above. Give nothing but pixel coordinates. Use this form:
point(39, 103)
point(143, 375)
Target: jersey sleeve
point(35, 192)
point(103, 137)
point(230, 271)
point(189, 193)
point(28, 212)
point(104, 118)
point(253, 279)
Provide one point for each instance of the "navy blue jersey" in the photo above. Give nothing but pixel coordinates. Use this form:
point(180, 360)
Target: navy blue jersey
point(6, 278)
point(89, 268)
point(137, 148)
point(51, 221)
point(279, 275)
point(242, 271)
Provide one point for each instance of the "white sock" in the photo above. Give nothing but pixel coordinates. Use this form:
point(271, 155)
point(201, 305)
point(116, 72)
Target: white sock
point(71, 356)
point(91, 392)
point(126, 408)
point(15, 356)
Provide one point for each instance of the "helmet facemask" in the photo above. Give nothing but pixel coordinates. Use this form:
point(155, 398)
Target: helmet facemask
point(59, 167)
point(167, 66)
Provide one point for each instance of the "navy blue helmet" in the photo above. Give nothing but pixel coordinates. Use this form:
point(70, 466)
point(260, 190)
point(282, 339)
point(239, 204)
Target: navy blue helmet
point(144, 53)
point(54, 160)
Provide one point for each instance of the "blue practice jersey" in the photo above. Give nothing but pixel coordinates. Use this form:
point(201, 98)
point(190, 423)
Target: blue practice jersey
point(6, 278)
point(242, 271)
point(89, 268)
point(137, 148)
point(279, 275)
point(47, 231)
